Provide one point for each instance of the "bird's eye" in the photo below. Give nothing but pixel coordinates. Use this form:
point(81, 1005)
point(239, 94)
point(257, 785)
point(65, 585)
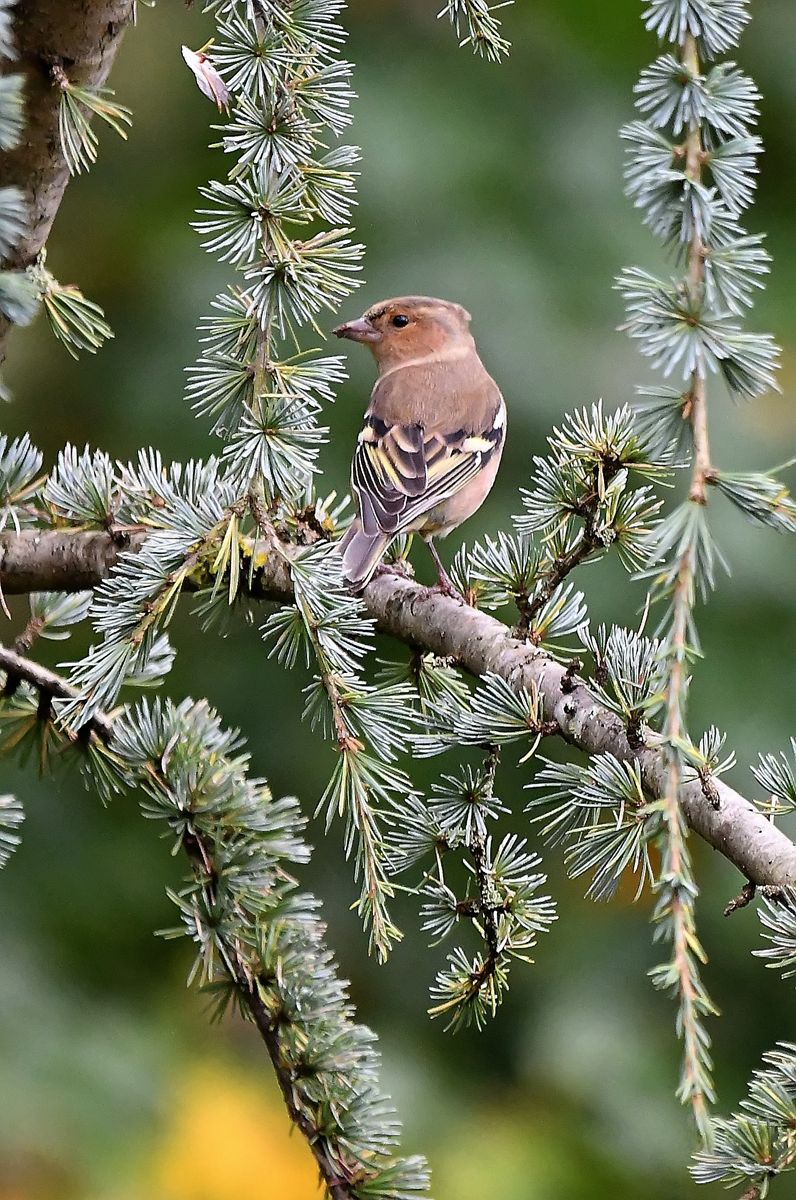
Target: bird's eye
point(400, 320)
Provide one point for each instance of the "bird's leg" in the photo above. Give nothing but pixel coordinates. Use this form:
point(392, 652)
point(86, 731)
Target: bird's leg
point(446, 584)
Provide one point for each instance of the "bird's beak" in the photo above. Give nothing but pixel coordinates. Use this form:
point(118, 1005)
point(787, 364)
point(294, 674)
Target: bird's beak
point(360, 330)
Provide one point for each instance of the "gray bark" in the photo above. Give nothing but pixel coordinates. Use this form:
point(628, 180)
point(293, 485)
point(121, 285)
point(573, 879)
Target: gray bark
point(43, 560)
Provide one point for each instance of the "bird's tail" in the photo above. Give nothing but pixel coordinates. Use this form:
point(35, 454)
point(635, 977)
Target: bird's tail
point(362, 552)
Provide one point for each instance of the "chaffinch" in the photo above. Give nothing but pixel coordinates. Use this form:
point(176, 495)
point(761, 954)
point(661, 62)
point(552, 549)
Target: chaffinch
point(433, 432)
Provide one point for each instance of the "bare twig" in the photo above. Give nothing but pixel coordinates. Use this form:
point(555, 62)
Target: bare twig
point(23, 643)
point(752, 890)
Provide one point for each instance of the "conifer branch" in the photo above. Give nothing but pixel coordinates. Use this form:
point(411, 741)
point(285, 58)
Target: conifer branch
point(562, 566)
point(476, 25)
point(696, 119)
point(248, 524)
point(338, 1176)
point(50, 33)
point(329, 1170)
point(215, 854)
point(481, 645)
point(676, 902)
point(697, 401)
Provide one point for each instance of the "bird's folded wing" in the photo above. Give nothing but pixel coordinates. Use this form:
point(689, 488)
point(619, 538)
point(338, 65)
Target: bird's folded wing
point(400, 471)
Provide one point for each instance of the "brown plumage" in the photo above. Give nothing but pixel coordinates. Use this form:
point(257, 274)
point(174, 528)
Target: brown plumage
point(433, 432)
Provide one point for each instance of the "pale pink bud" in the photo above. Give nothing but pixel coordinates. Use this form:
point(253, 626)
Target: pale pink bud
point(207, 77)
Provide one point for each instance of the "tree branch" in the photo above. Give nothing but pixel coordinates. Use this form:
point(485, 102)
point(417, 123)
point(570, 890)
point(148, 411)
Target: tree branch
point(337, 1188)
point(697, 409)
point(40, 561)
point(676, 903)
point(48, 684)
point(44, 560)
point(81, 36)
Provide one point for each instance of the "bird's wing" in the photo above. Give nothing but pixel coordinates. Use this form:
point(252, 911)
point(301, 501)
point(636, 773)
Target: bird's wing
point(401, 471)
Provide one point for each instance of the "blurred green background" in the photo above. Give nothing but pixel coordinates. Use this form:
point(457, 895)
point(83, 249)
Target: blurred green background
point(499, 187)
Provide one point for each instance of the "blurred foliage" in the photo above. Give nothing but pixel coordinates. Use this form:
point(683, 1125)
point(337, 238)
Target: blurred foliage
point(501, 188)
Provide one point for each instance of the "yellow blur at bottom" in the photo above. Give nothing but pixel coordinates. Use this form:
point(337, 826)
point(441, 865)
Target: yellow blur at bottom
point(227, 1136)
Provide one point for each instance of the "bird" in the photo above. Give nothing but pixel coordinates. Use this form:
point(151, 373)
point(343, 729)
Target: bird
point(432, 436)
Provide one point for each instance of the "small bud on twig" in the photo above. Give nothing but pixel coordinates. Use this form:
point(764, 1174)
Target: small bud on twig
point(207, 77)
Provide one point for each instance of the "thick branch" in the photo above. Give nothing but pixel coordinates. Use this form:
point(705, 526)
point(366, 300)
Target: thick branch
point(37, 560)
point(33, 561)
point(83, 37)
point(58, 560)
point(482, 644)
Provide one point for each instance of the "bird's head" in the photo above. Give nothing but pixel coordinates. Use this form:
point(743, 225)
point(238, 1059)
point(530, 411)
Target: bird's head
point(408, 327)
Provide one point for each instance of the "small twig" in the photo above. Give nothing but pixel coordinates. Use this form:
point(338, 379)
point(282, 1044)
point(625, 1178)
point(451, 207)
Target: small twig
point(489, 903)
point(24, 642)
point(744, 897)
point(679, 909)
point(702, 467)
point(748, 893)
point(750, 890)
point(52, 686)
point(588, 542)
point(561, 568)
point(709, 789)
